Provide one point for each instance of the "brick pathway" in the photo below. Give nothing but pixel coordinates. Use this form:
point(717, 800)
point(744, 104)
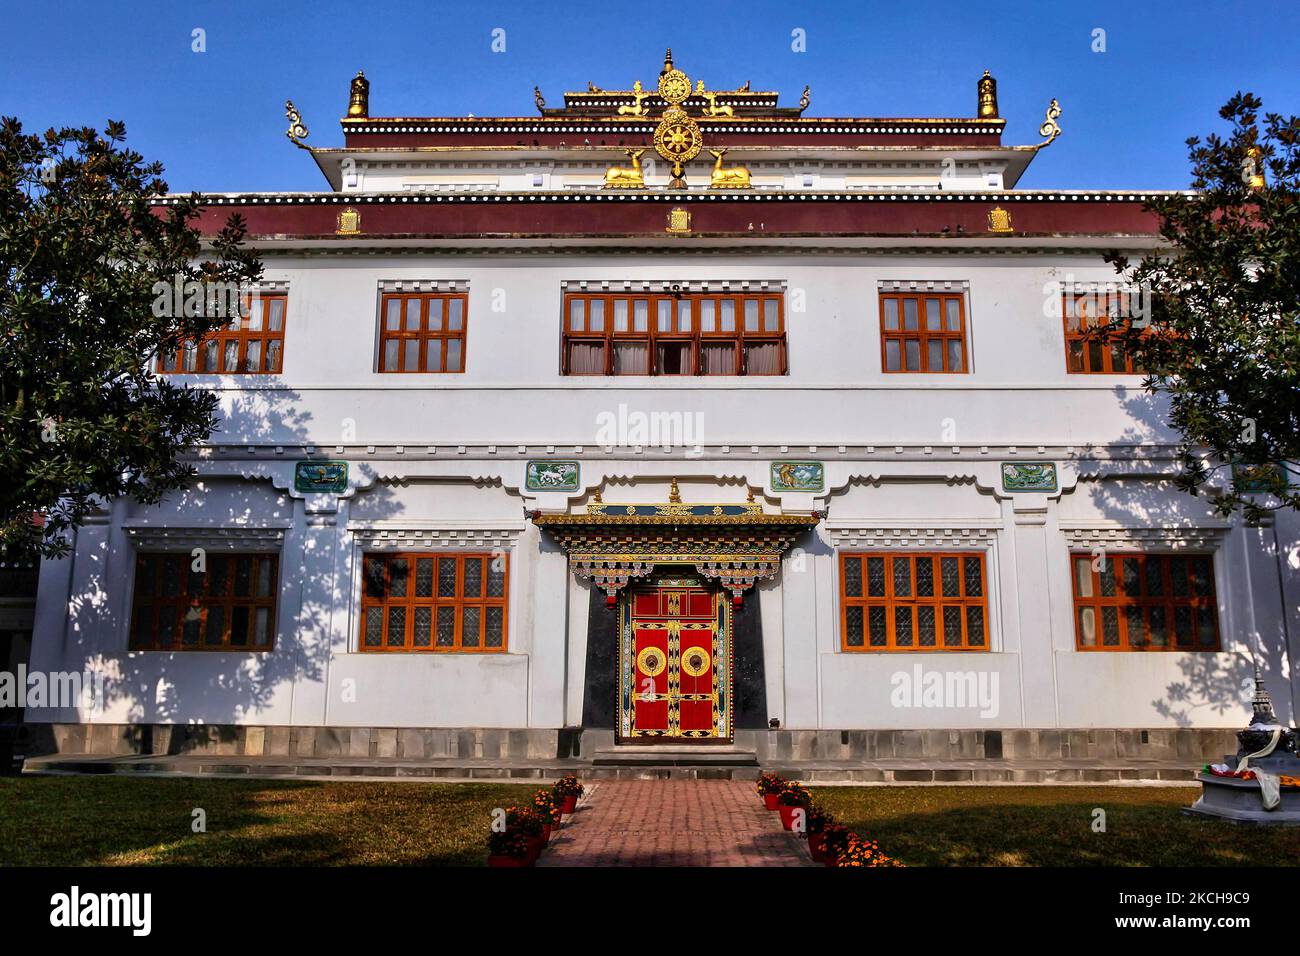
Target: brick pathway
point(673, 823)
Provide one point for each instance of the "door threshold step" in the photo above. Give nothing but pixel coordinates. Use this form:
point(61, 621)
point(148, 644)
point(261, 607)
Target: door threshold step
point(704, 755)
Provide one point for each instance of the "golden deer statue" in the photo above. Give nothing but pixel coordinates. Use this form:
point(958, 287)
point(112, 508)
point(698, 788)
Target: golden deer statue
point(727, 177)
point(626, 177)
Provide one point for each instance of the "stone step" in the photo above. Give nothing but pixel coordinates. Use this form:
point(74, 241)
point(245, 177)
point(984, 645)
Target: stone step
point(674, 755)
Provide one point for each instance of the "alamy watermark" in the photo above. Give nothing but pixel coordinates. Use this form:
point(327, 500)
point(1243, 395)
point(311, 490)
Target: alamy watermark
point(946, 689)
point(70, 689)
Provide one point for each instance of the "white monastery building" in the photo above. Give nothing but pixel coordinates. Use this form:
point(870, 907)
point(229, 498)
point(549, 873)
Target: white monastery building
point(674, 415)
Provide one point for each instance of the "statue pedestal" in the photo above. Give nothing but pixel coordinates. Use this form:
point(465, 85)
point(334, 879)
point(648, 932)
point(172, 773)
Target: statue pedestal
point(1237, 800)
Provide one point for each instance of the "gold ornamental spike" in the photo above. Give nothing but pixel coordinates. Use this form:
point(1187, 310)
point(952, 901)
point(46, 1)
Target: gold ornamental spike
point(297, 131)
point(1050, 128)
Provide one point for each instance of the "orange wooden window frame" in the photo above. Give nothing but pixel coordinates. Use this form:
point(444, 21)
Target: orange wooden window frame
point(696, 339)
point(889, 602)
point(209, 356)
point(1093, 356)
point(167, 587)
point(1201, 608)
point(429, 336)
point(434, 602)
point(921, 335)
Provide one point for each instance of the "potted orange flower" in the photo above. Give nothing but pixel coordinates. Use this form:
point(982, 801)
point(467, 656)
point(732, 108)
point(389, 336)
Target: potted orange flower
point(818, 819)
point(567, 791)
point(769, 787)
point(527, 821)
point(509, 848)
point(793, 803)
point(835, 837)
point(860, 852)
point(544, 804)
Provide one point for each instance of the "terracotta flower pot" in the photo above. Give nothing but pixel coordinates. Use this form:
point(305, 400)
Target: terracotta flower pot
point(546, 833)
point(570, 803)
point(817, 846)
point(508, 861)
point(535, 844)
point(769, 801)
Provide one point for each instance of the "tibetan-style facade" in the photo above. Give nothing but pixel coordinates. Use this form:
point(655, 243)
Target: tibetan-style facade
point(674, 414)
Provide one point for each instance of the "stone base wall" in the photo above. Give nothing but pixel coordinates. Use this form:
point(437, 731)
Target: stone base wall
point(770, 746)
point(278, 741)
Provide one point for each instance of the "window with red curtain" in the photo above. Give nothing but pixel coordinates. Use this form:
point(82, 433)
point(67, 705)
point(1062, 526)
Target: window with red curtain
point(706, 333)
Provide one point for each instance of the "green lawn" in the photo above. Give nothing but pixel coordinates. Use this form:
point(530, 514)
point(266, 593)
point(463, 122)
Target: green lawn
point(116, 821)
point(1052, 826)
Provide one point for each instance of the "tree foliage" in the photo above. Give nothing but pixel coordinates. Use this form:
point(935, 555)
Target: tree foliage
point(84, 244)
point(1222, 338)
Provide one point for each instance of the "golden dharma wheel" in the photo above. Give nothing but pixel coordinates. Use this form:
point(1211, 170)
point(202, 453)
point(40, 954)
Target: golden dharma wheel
point(674, 86)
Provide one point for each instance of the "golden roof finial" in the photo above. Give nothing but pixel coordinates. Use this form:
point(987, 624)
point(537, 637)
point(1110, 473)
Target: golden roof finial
point(674, 494)
point(988, 97)
point(359, 95)
point(668, 60)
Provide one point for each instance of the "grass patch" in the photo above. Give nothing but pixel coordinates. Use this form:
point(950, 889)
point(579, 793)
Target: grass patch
point(1052, 826)
point(147, 821)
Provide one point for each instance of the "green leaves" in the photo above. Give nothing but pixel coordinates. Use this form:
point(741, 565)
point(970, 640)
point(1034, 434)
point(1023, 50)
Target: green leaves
point(83, 416)
point(1223, 343)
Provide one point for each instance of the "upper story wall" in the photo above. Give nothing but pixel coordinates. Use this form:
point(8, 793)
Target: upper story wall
point(836, 390)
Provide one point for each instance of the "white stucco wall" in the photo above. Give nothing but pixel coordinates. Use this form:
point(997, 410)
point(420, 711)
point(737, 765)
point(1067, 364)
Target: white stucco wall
point(907, 454)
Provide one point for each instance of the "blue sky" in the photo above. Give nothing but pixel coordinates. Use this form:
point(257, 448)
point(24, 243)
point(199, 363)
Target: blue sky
point(216, 119)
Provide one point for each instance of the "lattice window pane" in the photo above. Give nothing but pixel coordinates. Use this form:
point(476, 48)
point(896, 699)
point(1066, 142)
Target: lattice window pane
point(473, 577)
point(1207, 627)
point(374, 578)
point(975, 626)
point(879, 628)
point(397, 571)
point(951, 577)
point(876, 577)
point(446, 577)
point(239, 626)
point(925, 577)
point(216, 626)
point(424, 577)
point(1131, 576)
point(951, 626)
point(496, 582)
point(494, 631)
point(1179, 583)
point(1155, 576)
point(974, 577)
point(422, 627)
point(1135, 622)
point(925, 632)
point(903, 626)
point(1183, 626)
point(470, 620)
point(853, 578)
point(1202, 578)
point(853, 626)
point(1107, 578)
point(446, 627)
point(396, 626)
point(902, 577)
point(1110, 626)
point(1159, 635)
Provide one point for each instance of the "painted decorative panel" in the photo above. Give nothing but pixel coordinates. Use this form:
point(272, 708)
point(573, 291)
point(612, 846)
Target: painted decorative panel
point(1036, 476)
point(798, 476)
point(320, 476)
point(552, 476)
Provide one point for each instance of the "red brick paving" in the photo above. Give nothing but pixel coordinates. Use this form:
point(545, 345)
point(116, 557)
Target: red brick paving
point(673, 823)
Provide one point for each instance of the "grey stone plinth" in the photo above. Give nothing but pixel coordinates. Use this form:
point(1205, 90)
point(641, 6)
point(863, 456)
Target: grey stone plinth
point(1230, 798)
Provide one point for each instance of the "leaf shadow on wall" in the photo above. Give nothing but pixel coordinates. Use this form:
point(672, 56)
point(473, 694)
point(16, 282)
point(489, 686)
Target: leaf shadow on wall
point(1214, 686)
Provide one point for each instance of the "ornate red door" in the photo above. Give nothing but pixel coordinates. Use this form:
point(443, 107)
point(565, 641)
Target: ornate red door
point(675, 669)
